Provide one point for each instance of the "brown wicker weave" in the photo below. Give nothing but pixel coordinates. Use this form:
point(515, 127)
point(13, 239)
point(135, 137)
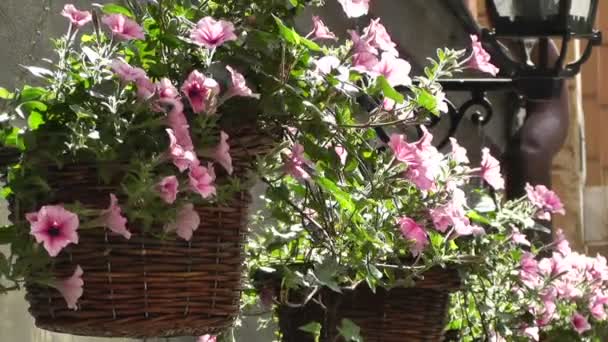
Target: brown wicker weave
point(145, 287)
point(399, 315)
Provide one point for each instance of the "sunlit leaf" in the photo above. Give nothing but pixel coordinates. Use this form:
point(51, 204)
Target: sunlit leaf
point(343, 198)
point(289, 34)
point(117, 9)
point(389, 91)
point(350, 331)
point(313, 328)
point(35, 120)
point(5, 94)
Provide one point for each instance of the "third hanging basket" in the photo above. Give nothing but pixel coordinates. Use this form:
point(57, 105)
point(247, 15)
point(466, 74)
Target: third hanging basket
point(414, 314)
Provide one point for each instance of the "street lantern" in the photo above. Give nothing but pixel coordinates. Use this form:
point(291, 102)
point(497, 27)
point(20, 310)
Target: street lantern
point(536, 22)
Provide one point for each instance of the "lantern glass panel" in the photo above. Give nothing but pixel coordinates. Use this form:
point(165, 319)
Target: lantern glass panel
point(518, 9)
point(582, 16)
point(542, 17)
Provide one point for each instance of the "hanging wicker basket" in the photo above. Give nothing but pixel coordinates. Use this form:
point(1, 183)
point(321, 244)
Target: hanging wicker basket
point(145, 287)
point(401, 314)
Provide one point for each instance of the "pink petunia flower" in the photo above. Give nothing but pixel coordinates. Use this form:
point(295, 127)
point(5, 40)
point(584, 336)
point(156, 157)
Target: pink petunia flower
point(326, 64)
point(239, 85)
point(404, 151)
point(207, 338)
point(222, 153)
point(471, 229)
point(177, 121)
point(580, 323)
point(166, 89)
point(201, 91)
point(145, 88)
point(113, 219)
point(168, 189)
point(77, 18)
point(361, 45)
point(553, 266)
point(342, 153)
point(532, 333)
point(72, 288)
point(54, 227)
point(355, 8)
point(320, 31)
point(490, 170)
point(459, 153)
point(422, 159)
point(480, 59)
point(212, 33)
point(597, 306)
point(451, 215)
point(186, 222)
point(598, 268)
point(126, 72)
point(296, 163)
point(414, 233)
point(395, 70)
point(377, 36)
point(561, 244)
point(202, 180)
point(519, 238)
point(123, 27)
point(528, 273)
point(365, 62)
point(182, 157)
point(168, 95)
point(547, 311)
point(545, 200)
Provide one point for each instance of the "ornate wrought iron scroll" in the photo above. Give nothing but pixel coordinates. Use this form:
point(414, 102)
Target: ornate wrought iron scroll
point(478, 89)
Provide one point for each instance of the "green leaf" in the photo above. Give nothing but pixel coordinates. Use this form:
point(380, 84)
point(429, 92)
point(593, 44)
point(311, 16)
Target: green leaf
point(389, 91)
point(326, 273)
point(31, 93)
point(6, 192)
point(5, 94)
point(29, 107)
point(455, 324)
point(476, 217)
point(13, 139)
point(117, 9)
point(86, 38)
point(35, 120)
point(350, 331)
point(437, 240)
point(313, 328)
point(311, 45)
point(427, 101)
point(289, 34)
point(343, 198)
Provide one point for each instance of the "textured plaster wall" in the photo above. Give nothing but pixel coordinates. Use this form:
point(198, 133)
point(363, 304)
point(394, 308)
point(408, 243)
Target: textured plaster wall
point(25, 29)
